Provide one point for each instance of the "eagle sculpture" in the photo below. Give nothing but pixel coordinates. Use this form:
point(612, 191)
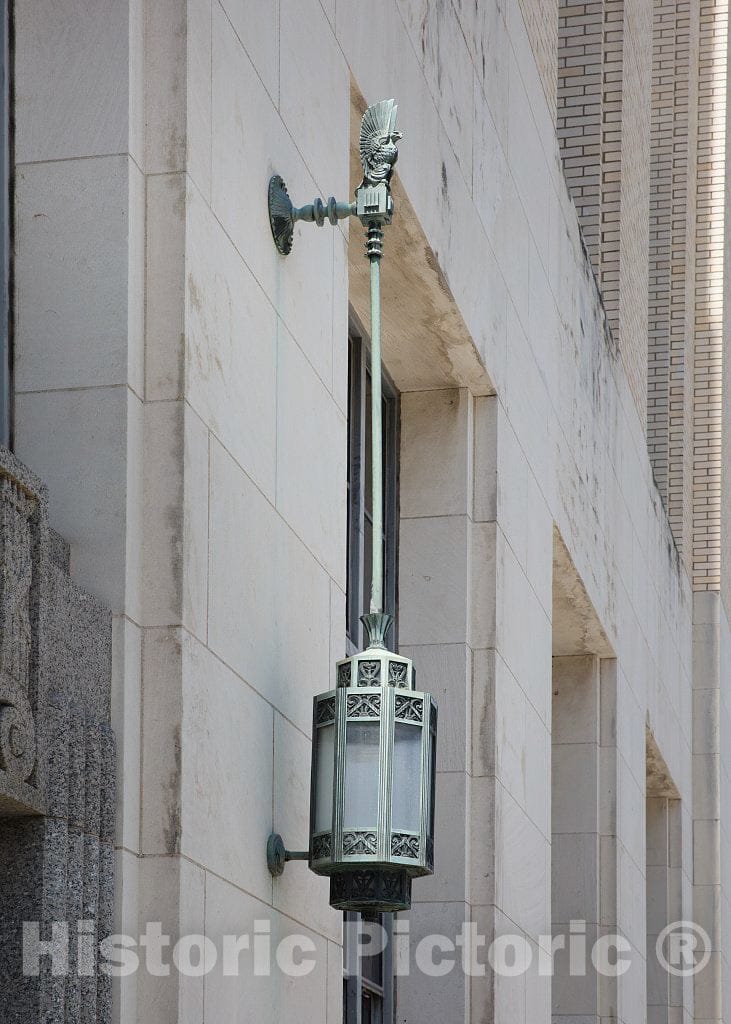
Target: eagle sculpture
point(378, 138)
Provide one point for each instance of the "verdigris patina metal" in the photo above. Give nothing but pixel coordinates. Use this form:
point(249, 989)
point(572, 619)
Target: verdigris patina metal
point(374, 735)
point(373, 203)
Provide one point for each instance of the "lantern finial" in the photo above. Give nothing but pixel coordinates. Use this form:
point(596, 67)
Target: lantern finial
point(377, 624)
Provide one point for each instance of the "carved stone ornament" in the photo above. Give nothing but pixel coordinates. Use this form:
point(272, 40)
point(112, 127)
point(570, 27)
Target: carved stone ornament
point(57, 760)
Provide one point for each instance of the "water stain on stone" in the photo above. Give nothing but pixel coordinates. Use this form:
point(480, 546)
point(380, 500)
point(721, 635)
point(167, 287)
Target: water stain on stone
point(433, 264)
point(172, 830)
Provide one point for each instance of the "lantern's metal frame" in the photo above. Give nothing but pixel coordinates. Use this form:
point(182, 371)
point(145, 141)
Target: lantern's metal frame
point(371, 868)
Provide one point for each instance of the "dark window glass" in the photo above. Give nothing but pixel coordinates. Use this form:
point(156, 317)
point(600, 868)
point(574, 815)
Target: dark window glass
point(368, 990)
point(360, 499)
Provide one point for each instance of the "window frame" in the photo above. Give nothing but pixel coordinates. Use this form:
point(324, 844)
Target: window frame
point(356, 599)
point(356, 987)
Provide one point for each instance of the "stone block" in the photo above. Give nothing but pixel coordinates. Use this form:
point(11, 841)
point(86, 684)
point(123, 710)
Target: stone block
point(449, 881)
point(435, 453)
point(247, 131)
point(482, 595)
point(71, 78)
point(226, 727)
point(125, 712)
point(444, 671)
point(449, 990)
point(298, 893)
point(165, 314)
point(522, 867)
point(315, 115)
point(256, 26)
point(483, 712)
point(575, 877)
point(481, 841)
point(574, 807)
point(199, 85)
point(311, 470)
point(706, 852)
point(575, 700)
point(77, 441)
point(249, 540)
point(432, 571)
point(485, 459)
point(275, 996)
point(231, 348)
point(162, 656)
point(173, 895)
point(165, 43)
point(76, 232)
point(450, 77)
point(57, 758)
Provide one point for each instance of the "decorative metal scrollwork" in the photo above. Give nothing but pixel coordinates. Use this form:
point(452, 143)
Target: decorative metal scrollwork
point(369, 673)
point(364, 884)
point(359, 843)
point(403, 845)
point(409, 709)
point(393, 884)
point(322, 847)
point(281, 215)
point(344, 674)
point(326, 711)
point(397, 673)
point(364, 705)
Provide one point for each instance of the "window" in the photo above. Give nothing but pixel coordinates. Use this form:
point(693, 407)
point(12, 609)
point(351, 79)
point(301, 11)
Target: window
point(360, 498)
point(368, 989)
point(368, 985)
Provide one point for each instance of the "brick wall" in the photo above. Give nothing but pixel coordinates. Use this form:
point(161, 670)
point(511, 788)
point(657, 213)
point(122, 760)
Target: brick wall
point(709, 296)
point(604, 54)
point(671, 299)
point(579, 111)
point(631, 315)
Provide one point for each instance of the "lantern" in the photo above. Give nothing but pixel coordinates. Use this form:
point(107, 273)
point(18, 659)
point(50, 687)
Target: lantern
point(373, 778)
point(374, 735)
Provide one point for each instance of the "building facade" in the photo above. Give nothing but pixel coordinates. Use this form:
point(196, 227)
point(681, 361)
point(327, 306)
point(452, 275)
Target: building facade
point(556, 529)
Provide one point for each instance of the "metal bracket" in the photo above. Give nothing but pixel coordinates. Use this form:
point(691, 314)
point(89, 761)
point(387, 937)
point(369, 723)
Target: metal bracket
point(283, 214)
point(278, 855)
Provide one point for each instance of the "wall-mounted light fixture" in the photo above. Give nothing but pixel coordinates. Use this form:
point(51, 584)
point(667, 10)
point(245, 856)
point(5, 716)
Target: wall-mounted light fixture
point(374, 735)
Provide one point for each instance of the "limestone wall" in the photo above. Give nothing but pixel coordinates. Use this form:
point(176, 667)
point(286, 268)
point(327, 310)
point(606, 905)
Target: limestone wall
point(182, 389)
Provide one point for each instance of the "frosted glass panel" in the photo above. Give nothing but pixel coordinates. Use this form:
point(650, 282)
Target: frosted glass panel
point(325, 768)
point(406, 814)
point(361, 775)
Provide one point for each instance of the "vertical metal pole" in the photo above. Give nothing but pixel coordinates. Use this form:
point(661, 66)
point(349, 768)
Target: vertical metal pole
point(375, 251)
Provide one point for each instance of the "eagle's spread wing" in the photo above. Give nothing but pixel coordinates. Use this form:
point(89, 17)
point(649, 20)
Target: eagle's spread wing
point(377, 126)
